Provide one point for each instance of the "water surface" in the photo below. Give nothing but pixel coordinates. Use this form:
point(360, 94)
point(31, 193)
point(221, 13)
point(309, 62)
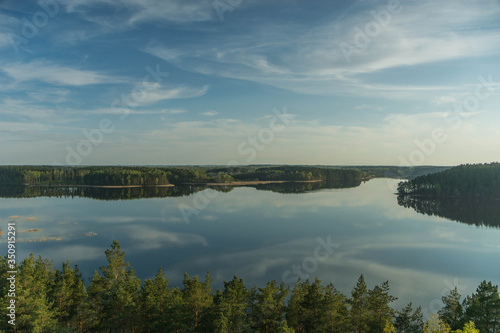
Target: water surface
point(262, 234)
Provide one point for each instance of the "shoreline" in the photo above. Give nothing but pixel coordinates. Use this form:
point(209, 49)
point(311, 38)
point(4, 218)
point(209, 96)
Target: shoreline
point(99, 186)
point(256, 182)
point(235, 183)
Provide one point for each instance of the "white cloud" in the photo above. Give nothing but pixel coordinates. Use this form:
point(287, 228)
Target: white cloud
point(174, 111)
point(209, 113)
point(54, 74)
point(150, 238)
point(161, 94)
point(141, 11)
point(311, 61)
point(4, 40)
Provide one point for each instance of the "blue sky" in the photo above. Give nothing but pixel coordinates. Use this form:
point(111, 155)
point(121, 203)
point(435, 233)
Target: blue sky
point(94, 82)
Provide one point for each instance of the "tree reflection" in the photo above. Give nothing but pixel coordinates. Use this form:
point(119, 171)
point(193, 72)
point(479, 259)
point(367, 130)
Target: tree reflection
point(472, 211)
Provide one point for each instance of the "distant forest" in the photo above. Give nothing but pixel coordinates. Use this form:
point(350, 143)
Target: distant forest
point(470, 180)
point(155, 176)
point(57, 300)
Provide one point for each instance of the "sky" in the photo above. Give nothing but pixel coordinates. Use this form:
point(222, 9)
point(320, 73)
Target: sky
point(175, 82)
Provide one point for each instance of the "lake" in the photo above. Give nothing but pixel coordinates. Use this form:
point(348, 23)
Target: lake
point(267, 233)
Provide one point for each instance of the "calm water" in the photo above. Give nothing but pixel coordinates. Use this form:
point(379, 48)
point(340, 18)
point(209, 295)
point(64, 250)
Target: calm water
point(262, 235)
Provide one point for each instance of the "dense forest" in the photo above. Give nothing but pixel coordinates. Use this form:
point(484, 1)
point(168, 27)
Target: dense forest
point(144, 176)
point(57, 300)
point(470, 180)
point(157, 176)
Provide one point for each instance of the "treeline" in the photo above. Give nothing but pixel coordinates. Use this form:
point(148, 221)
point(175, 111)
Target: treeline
point(56, 300)
point(99, 175)
point(301, 173)
point(470, 180)
point(151, 176)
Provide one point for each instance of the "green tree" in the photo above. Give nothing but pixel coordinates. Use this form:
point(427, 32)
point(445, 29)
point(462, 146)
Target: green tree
point(269, 306)
point(283, 328)
point(380, 310)
point(68, 296)
point(436, 325)
point(452, 313)
point(483, 307)
point(468, 328)
point(359, 307)
point(116, 292)
point(389, 327)
point(408, 321)
point(294, 310)
point(34, 311)
point(197, 298)
point(229, 308)
point(154, 303)
point(336, 313)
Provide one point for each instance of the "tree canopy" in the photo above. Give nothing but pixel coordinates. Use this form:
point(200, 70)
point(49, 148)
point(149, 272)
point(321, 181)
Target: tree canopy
point(57, 300)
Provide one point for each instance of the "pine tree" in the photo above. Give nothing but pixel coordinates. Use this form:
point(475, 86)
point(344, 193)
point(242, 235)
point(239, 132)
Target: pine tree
point(283, 328)
point(409, 321)
point(359, 311)
point(313, 306)
point(452, 312)
point(233, 304)
point(337, 315)
point(483, 308)
point(378, 303)
point(294, 310)
point(115, 294)
point(68, 296)
point(154, 303)
point(269, 306)
point(34, 311)
point(197, 298)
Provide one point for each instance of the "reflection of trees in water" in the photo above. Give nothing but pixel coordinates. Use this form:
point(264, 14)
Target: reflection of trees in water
point(128, 193)
point(299, 187)
point(473, 211)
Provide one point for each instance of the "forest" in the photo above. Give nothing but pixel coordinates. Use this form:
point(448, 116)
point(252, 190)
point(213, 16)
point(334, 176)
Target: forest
point(155, 176)
point(151, 176)
point(469, 180)
point(57, 300)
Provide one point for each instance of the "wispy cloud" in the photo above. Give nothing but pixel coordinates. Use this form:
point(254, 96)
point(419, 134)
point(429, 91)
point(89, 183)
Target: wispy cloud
point(161, 94)
point(143, 11)
point(311, 61)
point(209, 113)
point(54, 74)
point(174, 111)
point(4, 40)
